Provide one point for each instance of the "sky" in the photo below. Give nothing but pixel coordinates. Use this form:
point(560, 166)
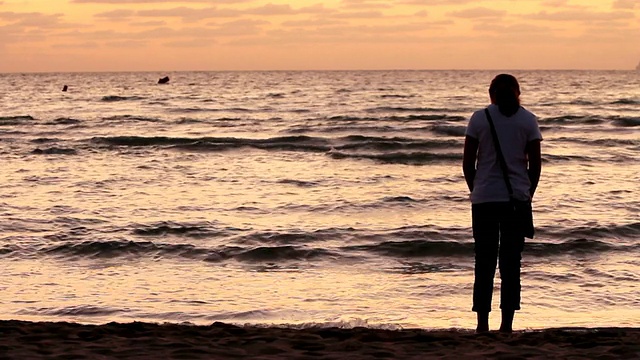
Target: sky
point(166, 35)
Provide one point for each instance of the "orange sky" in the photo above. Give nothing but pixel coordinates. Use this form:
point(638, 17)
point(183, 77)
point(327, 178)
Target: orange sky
point(165, 35)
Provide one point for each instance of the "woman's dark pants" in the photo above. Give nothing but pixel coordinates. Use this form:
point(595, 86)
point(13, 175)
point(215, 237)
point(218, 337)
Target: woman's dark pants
point(496, 243)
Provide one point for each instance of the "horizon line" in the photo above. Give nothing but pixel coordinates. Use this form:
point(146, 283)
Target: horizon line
point(295, 70)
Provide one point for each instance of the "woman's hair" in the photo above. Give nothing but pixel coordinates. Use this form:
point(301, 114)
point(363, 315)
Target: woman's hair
point(505, 92)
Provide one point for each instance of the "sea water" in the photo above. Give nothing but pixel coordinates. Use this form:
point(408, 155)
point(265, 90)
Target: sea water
point(304, 198)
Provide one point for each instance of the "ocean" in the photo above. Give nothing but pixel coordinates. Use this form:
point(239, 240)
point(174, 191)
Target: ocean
point(300, 199)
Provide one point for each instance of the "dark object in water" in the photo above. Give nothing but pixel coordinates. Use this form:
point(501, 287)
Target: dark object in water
point(163, 80)
point(64, 88)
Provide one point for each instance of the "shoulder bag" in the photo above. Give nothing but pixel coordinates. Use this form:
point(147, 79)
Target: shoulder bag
point(522, 210)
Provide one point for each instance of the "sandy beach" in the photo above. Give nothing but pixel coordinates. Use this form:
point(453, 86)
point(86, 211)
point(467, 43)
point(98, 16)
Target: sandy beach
point(44, 340)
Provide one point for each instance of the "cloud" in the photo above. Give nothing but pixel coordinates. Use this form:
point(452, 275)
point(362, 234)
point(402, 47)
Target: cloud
point(513, 29)
point(479, 12)
point(358, 15)
point(118, 2)
point(15, 16)
point(148, 23)
point(554, 3)
point(30, 27)
point(561, 4)
point(271, 9)
point(190, 14)
point(351, 33)
point(34, 20)
point(313, 23)
point(435, 2)
point(241, 27)
point(195, 43)
point(365, 4)
point(17, 34)
point(127, 44)
point(167, 32)
point(116, 15)
point(81, 45)
point(626, 4)
point(348, 36)
point(581, 16)
point(121, 38)
point(96, 35)
point(601, 32)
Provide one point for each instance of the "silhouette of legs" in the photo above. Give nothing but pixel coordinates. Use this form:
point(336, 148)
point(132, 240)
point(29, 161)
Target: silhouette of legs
point(483, 322)
point(495, 238)
point(511, 246)
point(486, 239)
point(507, 321)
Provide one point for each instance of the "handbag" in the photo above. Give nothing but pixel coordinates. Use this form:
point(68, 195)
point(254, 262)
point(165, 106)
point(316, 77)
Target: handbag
point(522, 210)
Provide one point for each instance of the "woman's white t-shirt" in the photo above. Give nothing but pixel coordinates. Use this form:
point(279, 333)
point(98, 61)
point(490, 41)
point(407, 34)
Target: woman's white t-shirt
point(514, 133)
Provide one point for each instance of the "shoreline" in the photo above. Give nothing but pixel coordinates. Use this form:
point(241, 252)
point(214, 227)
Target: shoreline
point(139, 340)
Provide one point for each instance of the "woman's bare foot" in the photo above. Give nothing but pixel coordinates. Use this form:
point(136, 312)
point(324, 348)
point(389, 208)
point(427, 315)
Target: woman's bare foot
point(483, 322)
point(482, 329)
point(507, 321)
point(506, 329)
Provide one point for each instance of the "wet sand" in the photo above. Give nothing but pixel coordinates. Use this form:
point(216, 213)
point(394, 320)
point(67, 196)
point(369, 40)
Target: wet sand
point(42, 340)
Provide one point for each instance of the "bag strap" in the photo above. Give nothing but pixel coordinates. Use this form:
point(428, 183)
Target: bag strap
point(503, 163)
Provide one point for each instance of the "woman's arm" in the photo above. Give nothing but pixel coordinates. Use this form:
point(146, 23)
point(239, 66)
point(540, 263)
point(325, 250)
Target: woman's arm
point(535, 164)
point(469, 160)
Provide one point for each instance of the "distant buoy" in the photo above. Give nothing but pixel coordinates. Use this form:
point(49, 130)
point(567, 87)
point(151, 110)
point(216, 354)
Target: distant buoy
point(163, 80)
point(64, 88)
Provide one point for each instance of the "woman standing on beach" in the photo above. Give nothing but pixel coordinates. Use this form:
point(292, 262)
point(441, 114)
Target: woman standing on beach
point(496, 236)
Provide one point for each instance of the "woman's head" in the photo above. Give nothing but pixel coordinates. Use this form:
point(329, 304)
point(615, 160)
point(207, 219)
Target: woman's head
point(505, 92)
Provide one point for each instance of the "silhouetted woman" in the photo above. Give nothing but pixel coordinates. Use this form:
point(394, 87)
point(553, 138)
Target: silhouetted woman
point(496, 237)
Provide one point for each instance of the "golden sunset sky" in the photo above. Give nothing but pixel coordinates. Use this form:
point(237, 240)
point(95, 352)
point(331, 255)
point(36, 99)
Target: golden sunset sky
point(165, 35)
